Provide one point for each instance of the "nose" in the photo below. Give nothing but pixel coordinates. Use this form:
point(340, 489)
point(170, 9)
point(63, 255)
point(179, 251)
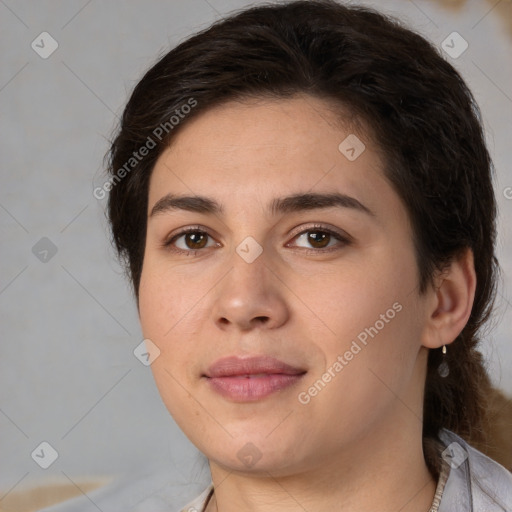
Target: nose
point(250, 296)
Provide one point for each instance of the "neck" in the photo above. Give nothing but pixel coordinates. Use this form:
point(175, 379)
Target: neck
point(386, 471)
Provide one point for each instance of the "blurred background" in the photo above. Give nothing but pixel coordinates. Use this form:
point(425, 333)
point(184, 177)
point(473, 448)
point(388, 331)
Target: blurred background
point(68, 373)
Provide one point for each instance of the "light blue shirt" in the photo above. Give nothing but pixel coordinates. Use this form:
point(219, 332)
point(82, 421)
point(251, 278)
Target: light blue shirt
point(475, 483)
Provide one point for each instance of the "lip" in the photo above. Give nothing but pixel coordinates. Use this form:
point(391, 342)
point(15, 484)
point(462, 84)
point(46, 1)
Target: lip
point(249, 379)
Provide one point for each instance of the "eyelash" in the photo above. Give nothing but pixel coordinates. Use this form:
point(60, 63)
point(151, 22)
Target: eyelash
point(344, 239)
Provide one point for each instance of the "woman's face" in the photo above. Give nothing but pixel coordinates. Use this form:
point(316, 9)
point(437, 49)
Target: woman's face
point(290, 328)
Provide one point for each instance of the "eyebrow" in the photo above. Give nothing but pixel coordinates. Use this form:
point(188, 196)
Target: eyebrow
point(292, 203)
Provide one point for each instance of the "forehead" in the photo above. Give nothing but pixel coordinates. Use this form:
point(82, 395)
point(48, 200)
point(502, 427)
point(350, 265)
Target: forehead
point(265, 143)
point(294, 125)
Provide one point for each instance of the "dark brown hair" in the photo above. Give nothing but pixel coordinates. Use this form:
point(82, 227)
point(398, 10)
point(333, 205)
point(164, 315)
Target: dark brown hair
point(422, 117)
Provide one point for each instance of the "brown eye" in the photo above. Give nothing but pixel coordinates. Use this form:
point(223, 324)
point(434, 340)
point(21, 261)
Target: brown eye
point(196, 240)
point(319, 239)
point(189, 241)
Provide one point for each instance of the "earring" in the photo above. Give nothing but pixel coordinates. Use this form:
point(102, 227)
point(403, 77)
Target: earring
point(443, 369)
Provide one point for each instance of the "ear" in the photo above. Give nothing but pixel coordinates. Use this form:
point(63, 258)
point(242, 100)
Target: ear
point(450, 302)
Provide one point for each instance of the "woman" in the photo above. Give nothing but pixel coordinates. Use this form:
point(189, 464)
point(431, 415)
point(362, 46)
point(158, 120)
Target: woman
point(303, 198)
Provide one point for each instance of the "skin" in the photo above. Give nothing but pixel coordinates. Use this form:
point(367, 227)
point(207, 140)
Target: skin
point(357, 444)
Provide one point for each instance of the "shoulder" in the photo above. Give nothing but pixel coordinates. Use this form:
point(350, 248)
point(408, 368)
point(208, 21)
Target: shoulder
point(155, 490)
point(475, 483)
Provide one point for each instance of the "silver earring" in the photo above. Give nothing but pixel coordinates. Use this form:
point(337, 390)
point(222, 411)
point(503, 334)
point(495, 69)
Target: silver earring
point(443, 369)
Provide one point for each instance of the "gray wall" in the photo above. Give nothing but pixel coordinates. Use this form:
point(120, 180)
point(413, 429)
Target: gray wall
point(69, 325)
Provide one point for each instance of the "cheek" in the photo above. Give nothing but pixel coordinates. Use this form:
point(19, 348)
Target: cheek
point(160, 311)
point(368, 372)
point(355, 295)
point(373, 318)
point(172, 313)
point(167, 299)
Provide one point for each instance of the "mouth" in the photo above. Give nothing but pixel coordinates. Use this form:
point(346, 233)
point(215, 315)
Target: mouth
point(251, 378)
